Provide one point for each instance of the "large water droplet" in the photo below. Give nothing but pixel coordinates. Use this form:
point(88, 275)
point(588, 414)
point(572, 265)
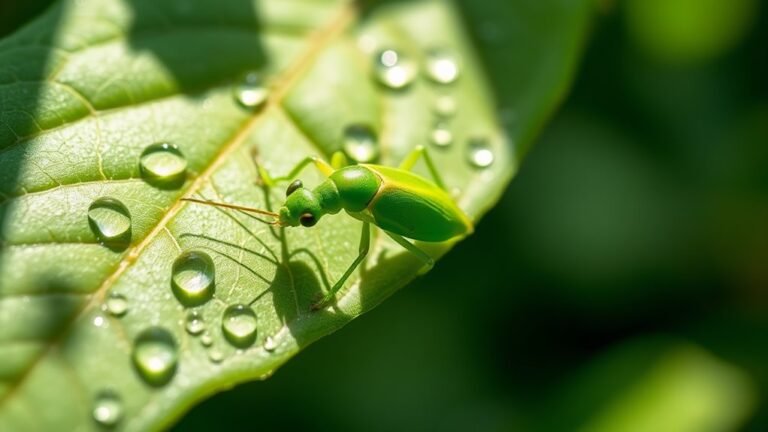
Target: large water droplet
point(239, 325)
point(445, 106)
point(192, 278)
point(270, 344)
point(194, 323)
point(116, 304)
point(394, 70)
point(107, 408)
point(360, 143)
point(479, 153)
point(155, 355)
point(163, 164)
point(442, 66)
point(251, 93)
point(110, 221)
point(441, 135)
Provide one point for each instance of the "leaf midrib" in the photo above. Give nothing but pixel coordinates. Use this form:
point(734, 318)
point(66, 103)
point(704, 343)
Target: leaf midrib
point(316, 43)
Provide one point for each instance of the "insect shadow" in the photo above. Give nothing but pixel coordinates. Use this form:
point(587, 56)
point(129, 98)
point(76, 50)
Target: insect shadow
point(300, 278)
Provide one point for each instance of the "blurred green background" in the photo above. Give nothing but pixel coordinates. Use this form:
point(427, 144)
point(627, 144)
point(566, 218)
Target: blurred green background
point(622, 282)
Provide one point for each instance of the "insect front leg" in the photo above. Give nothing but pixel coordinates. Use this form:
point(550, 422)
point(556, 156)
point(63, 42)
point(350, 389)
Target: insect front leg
point(322, 166)
point(412, 248)
point(413, 157)
point(365, 243)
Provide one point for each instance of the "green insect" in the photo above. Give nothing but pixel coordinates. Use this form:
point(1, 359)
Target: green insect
point(401, 203)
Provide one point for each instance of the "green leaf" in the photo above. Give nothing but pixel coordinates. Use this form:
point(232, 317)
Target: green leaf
point(93, 313)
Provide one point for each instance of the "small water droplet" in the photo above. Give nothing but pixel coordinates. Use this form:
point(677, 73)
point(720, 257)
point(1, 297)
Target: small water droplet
point(442, 66)
point(192, 279)
point(445, 106)
point(360, 143)
point(99, 321)
point(215, 355)
point(110, 221)
point(394, 70)
point(155, 355)
point(116, 304)
point(479, 153)
point(206, 339)
point(163, 164)
point(441, 135)
point(270, 344)
point(195, 323)
point(107, 408)
point(251, 93)
point(239, 325)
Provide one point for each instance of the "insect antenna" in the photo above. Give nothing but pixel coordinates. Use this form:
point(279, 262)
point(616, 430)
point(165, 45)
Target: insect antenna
point(234, 207)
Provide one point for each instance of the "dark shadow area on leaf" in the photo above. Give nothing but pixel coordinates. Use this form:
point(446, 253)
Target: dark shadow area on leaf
point(201, 43)
point(22, 81)
point(14, 14)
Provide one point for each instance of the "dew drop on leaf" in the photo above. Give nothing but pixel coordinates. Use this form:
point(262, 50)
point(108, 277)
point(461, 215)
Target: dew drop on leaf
point(155, 355)
point(445, 106)
point(107, 408)
point(360, 143)
point(215, 355)
point(192, 278)
point(163, 164)
point(441, 135)
point(479, 153)
point(442, 66)
point(270, 344)
point(251, 93)
point(194, 323)
point(116, 304)
point(206, 339)
point(110, 221)
point(239, 325)
point(394, 70)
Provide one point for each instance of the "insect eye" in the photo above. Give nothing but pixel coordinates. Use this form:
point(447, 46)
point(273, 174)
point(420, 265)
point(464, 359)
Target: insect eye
point(307, 220)
point(293, 186)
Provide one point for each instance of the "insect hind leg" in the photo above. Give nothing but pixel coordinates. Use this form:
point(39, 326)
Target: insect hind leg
point(412, 248)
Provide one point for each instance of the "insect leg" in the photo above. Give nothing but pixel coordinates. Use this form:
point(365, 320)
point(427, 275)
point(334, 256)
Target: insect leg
point(321, 165)
point(339, 160)
point(412, 248)
point(365, 242)
point(413, 157)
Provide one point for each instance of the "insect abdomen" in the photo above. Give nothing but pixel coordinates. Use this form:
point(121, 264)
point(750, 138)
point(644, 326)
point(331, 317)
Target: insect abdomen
point(408, 205)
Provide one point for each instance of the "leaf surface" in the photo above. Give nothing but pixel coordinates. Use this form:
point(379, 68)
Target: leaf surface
point(89, 86)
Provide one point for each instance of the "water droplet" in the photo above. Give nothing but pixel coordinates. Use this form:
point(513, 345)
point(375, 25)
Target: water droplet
point(360, 143)
point(442, 66)
point(108, 408)
point(215, 355)
point(155, 355)
point(99, 321)
point(394, 70)
point(239, 325)
point(110, 220)
point(192, 280)
point(116, 304)
point(251, 93)
point(206, 339)
point(163, 164)
point(445, 106)
point(479, 153)
point(270, 344)
point(195, 323)
point(441, 135)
